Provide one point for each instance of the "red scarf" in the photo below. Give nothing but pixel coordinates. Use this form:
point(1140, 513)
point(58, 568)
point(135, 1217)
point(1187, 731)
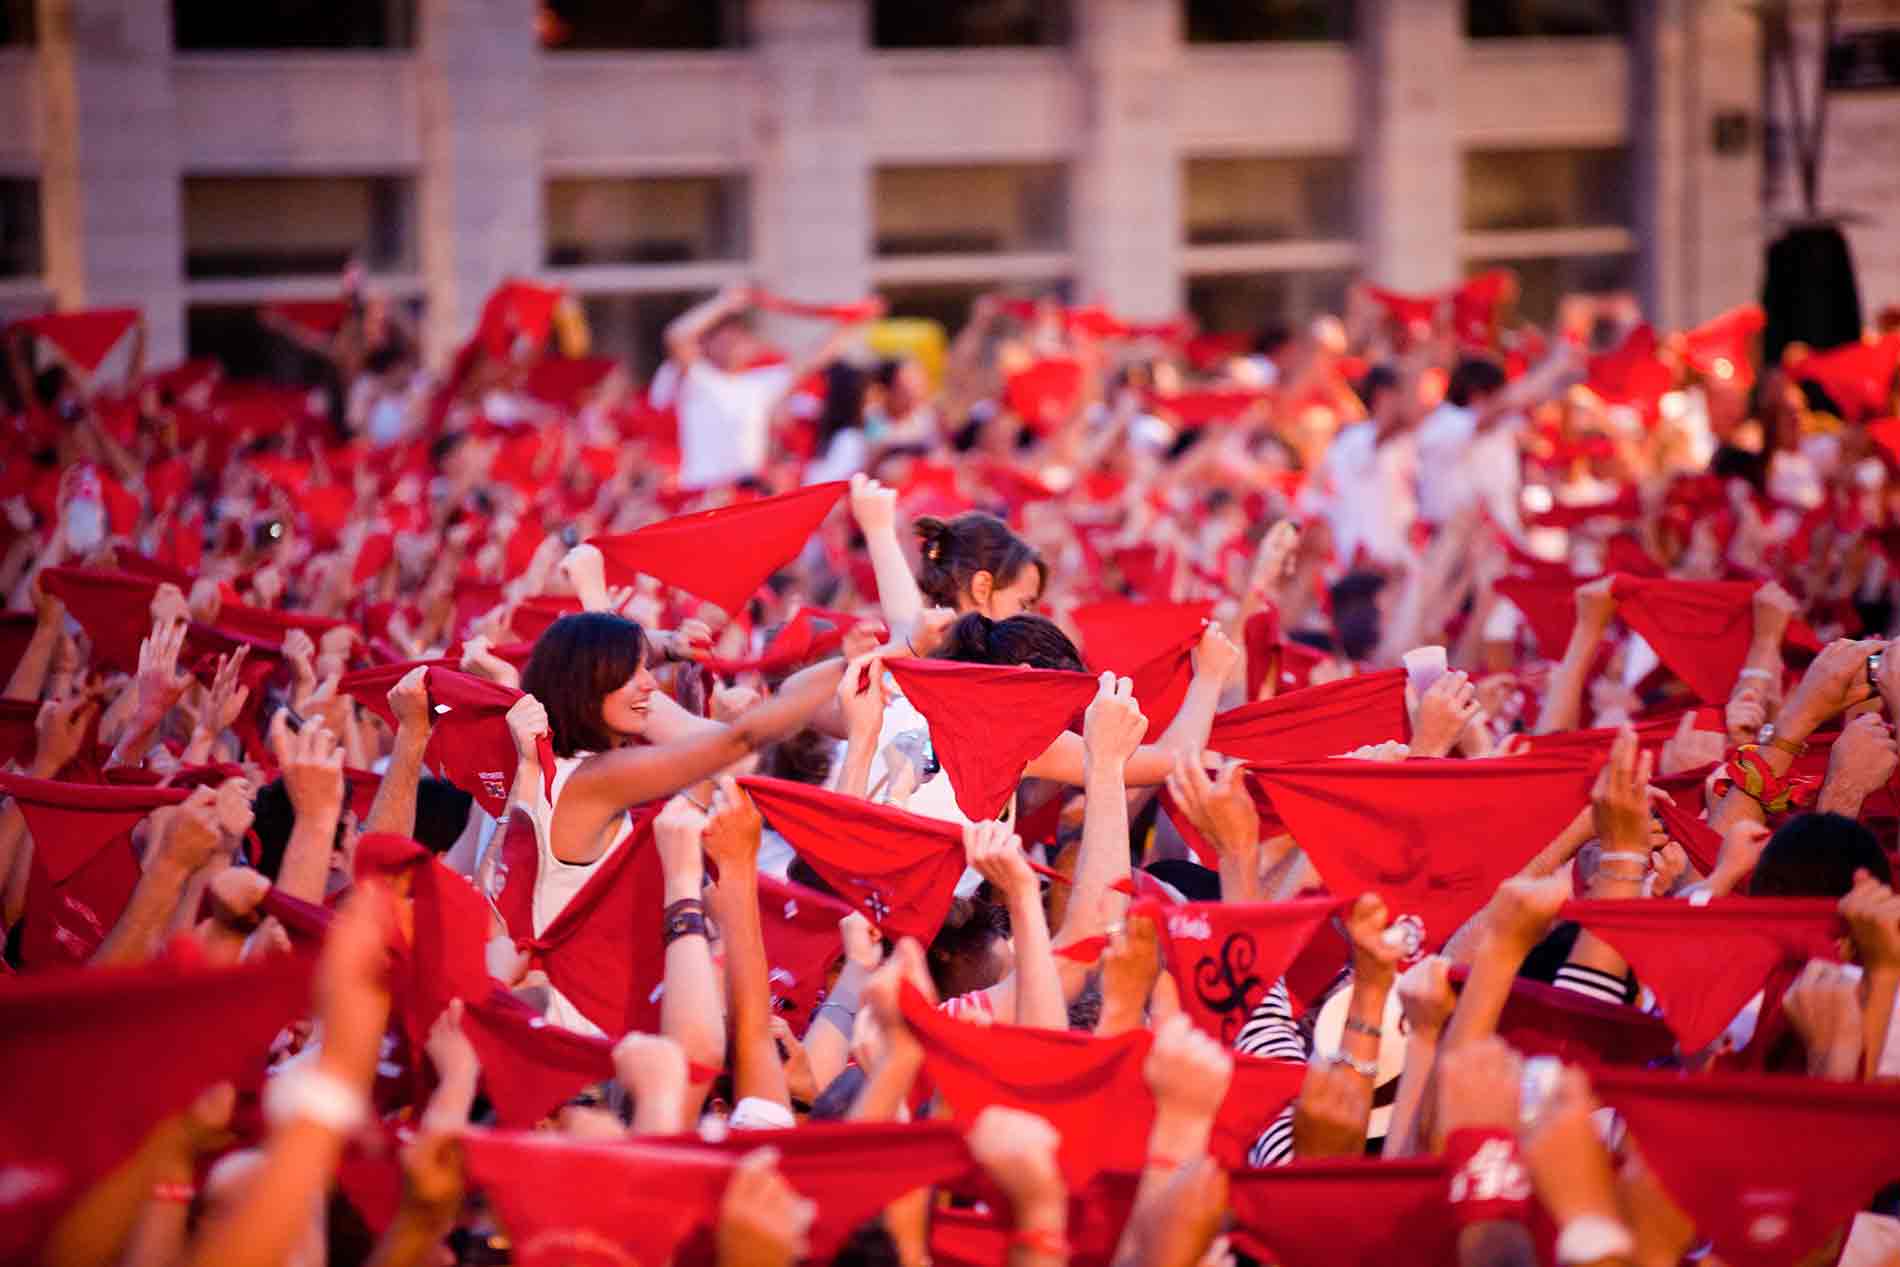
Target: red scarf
point(1768, 1166)
point(1225, 956)
point(722, 555)
point(850, 314)
point(1547, 1020)
point(1150, 643)
point(565, 382)
point(1434, 836)
point(84, 338)
point(1705, 962)
point(1317, 721)
point(112, 607)
point(1858, 377)
point(802, 941)
point(469, 745)
point(516, 310)
point(1353, 1213)
point(1090, 1089)
point(66, 1039)
point(988, 722)
point(900, 869)
point(1722, 347)
point(269, 625)
point(1700, 630)
point(83, 869)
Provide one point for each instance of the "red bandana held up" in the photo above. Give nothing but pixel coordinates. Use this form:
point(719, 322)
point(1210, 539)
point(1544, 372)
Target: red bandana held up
point(988, 722)
point(642, 1201)
point(84, 338)
point(850, 314)
point(517, 310)
point(1700, 630)
point(1316, 721)
point(1090, 1089)
point(722, 555)
point(798, 642)
point(66, 1038)
point(606, 950)
point(1705, 962)
point(321, 318)
point(1225, 956)
point(84, 869)
point(269, 625)
point(1546, 1020)
point(1768, 1166)
point(112, 607)
point(1433, 836)
point(1353, 1213)
point(1631, 373)
point(1150, 643)
point(801, 943)
point(899, 869)
point(1721, 347)
point(1858, 376)
point(1549, 604)
point(469, 745)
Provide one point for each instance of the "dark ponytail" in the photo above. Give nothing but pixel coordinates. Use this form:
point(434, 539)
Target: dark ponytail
point(954, 551)
point(1034, 641)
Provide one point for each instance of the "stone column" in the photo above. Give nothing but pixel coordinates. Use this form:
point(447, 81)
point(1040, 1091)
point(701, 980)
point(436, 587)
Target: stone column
point(812, 221)
point(1411, 172)
point(1125, 205)
point(109, 180)
point(480, 205)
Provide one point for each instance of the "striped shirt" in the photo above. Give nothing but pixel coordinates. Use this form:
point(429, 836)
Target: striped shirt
point(1271, 1032)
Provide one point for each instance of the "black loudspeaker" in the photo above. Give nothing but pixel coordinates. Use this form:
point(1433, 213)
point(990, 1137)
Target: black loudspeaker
point(1808, 291)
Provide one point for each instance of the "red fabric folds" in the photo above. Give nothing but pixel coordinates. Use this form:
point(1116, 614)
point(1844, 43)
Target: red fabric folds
point(1721, 346)
point(899, 869)
point(1705, 962)
point(68, 1041)
point(1225, 956)
point(84, 338)
point(1769, 1167)
point(565, 382)
point(1631, 373)
point(1150, 643)
point(84, 869)
point(1355, 1213)
point(802, 940)
point(722, 555)
point(1434, 837)
point(112, 607)
point(1858, 377)
point(850, 314)
point(1315, 721)
point(1547, 1020)
point(516, 310)
point(1699, 629)
point(988, 722)
point(469, 744)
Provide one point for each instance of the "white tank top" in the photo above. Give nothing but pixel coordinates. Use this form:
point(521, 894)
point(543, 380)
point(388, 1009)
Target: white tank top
point(556, 882)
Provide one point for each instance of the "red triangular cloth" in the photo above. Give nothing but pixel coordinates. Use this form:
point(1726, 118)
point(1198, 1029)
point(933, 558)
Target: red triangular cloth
point(1700, 630)
point(85, 338)
point(1768, 1166)
point(112, 607)
point(988, 722)
point(1315, 721)
point(1433, 836)
point(83, 869)
point(1225, 956)
point(1353, 1213)
point(469, 744)
point(1705, 962)
point(1090, 1089)
point(722, 555)
point(900, 869)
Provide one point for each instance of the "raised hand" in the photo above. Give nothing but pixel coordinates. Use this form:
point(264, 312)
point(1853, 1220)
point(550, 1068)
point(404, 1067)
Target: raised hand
point(1595, 603)
point(1823, 1005)
point(449, 1048)
point(677, 831)
point(653, 1068)
point(994, 852)
point(191, 836)
point(1374, 958)
point(159, 681)
point(1221, 808)
point(1521, 912)
point(1836, 681)
point(1018, 1152)
point(1478, 1086)
point(762, 1222)
point(1689, 748)
point(862, 945)
point(1131, 964)
point(1215, 656)
point(929, 630)
point(1330, 1115)
point(312, 767)
point(1621, 795)
point(733, 828)
point(60, 731)
point(1448, 706)
point(234, 798)
point(1744, 715)
point(1872, 912)
point(1860, 763)
point(862, 696)
point(1113, 726)
point(527, 721)
point(1188, 1071)
point(1425, 995)
point(873, 505)
point(409, 701)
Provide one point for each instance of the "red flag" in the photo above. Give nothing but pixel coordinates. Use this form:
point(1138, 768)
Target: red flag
point(988, 722)
point(1225, 956)
point(899, 869)
point(1433, 836)
point(1768, 1167)
point(517, 309)
point(722, 555)
point(84, 338)
point(1705, 962)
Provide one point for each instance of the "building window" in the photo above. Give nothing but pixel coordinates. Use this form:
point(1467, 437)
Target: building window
point(632, 328)
point(968, 23)
point(991, 209)
point(654, 25)
point(1506, 19)
point(275, 226)
point(665, 220)
point(17, 23)
point(1234, 200)
point(1245, 302)
point(220, 26)
point(1546, 189)
point(20, 228)
point(1254, 21)
point(1543, 282)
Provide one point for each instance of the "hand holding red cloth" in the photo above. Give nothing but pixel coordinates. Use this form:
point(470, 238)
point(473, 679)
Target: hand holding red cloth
point(85, 338)
point(1315, 721)
point(1225, 956)
point(469, 744)
point(1700, 630)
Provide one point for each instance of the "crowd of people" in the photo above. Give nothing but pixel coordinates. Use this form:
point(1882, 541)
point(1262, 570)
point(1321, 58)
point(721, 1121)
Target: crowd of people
point(1412, 789)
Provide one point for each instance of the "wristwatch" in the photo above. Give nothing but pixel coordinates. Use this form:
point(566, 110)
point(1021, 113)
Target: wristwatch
point(1769, 739)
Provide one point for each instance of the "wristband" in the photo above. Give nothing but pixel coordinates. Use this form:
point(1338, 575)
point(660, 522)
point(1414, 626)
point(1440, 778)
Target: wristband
point(1364, 1068)
point(175, 1193)
point(1488, 1180)
point(1748, 771)
point(684, 918)
point(1589, 1238)
point(1041, 1240)
point(315, 1096)
point(1354, 1025)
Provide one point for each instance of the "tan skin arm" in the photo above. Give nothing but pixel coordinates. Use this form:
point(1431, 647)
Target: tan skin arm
point(607, 785)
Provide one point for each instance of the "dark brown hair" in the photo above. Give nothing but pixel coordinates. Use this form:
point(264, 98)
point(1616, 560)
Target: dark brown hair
point(576, 663)
point(954, 551)
point(1035, 641)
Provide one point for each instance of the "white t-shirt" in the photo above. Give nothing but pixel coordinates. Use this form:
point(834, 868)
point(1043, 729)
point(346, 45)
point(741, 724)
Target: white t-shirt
point(1459, 467)
point(725, 419)
point(1368, 491)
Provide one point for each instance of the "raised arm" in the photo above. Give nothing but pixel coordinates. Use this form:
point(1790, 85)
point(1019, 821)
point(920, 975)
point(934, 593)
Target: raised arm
point(683, 335)
point(996, 854)
point(313, 778)
point(1111, 730)
point(1563, 702)
point(691, 1011)
point(190, 839)
point(394, 809)
point(875, 508)
point(733, 832)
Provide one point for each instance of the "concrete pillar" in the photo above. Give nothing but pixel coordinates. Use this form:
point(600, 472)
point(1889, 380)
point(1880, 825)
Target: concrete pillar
point(1125, 208)
point(1411, 174)
point(109, 182)
point(1661, 109)
point(479, 71)
point(812, 221)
